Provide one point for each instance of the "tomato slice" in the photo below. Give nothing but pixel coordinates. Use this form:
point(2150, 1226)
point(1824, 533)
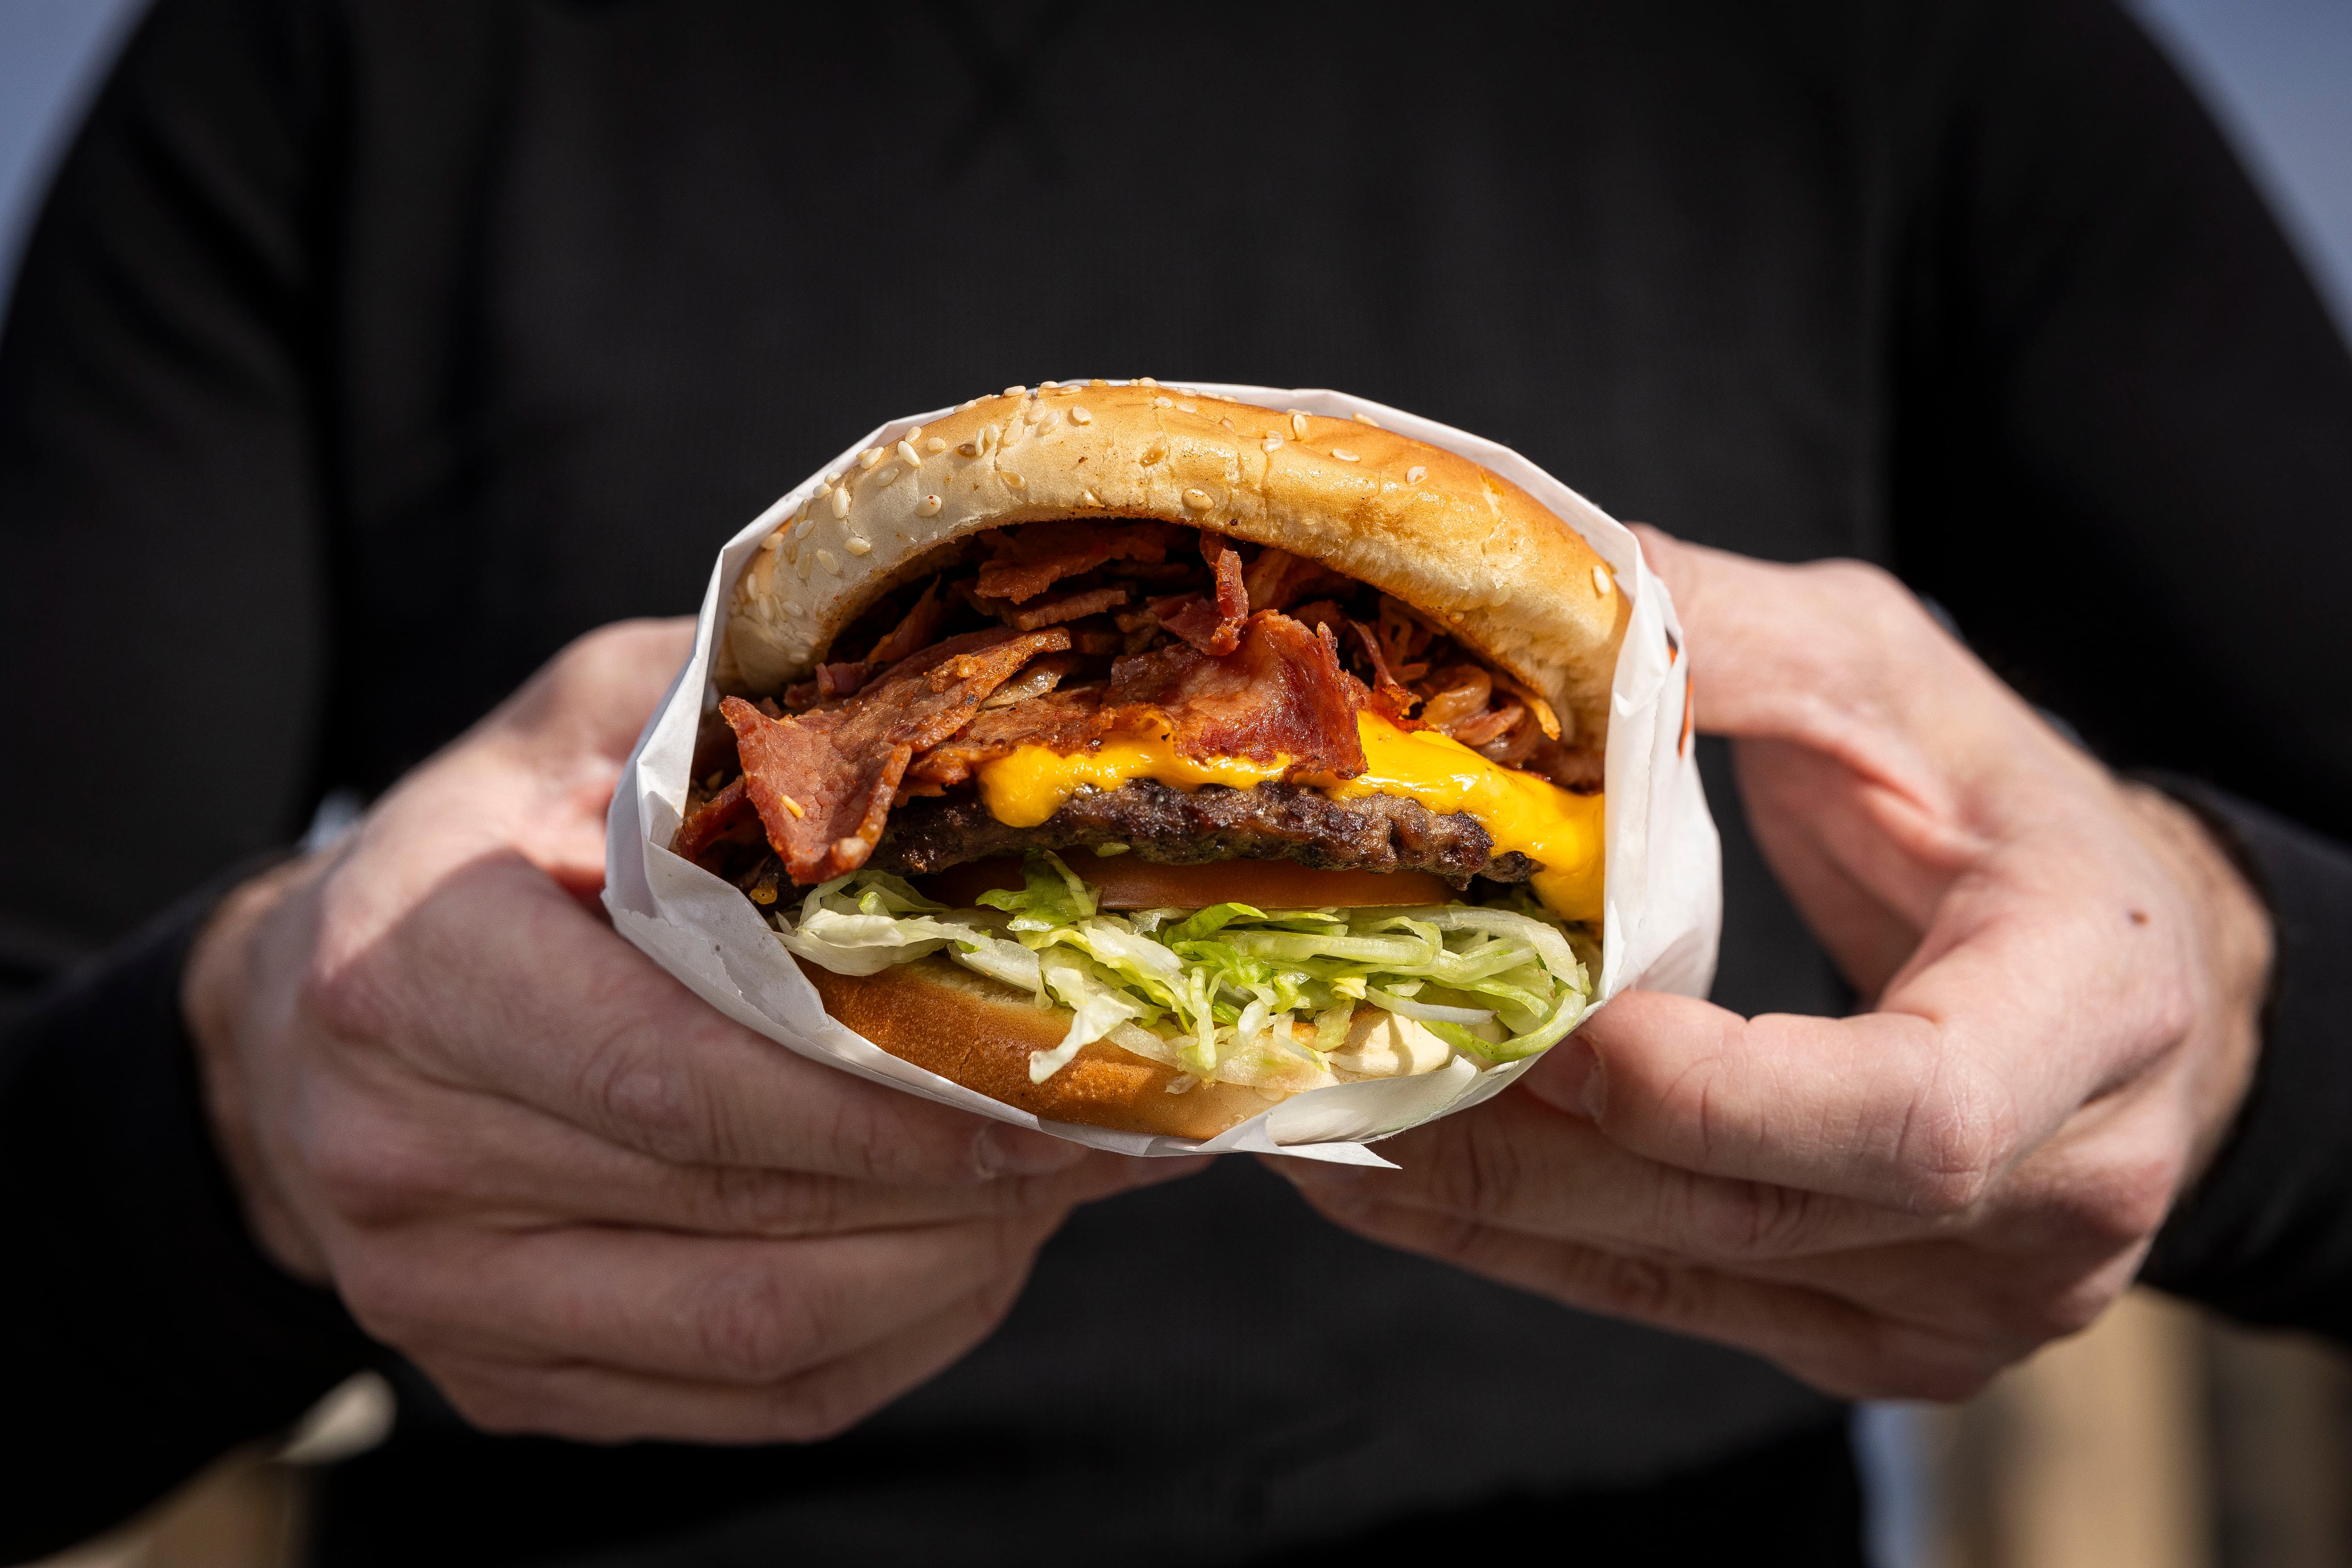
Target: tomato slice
point(1129, 882)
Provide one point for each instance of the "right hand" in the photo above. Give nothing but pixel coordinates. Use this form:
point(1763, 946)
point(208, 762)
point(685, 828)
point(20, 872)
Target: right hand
point(583, 1201)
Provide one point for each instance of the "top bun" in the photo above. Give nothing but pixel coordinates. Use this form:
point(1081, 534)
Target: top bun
point(1466, 547)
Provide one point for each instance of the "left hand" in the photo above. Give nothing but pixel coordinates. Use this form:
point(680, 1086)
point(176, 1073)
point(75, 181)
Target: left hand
point(2062, 971)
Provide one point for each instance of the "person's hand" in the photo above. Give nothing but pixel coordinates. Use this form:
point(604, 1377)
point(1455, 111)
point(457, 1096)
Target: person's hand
point(2062, 975)
point(582, 1201)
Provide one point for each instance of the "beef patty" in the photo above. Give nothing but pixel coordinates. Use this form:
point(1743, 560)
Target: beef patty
point(1161, 823)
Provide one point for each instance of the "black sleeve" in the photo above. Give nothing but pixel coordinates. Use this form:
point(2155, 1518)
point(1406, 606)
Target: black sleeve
point(161, 631)
point(2122, 455)
point(2267, 1234)
point(142, 1333)
point(161, 451)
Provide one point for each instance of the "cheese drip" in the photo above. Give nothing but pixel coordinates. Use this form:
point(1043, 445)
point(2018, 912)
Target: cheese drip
point(1558, 830)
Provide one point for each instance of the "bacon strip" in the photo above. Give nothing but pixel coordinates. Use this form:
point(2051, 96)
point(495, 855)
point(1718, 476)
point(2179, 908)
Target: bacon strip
point(1062, 722)
point(1278, 580)
point(1033, 558)
point(832, 680)
point(1280, 693)
point(1212, 627)
point(720, 815)
point(823, 782)
point(1068, 607)
point(915, 630)
point(1391, 700)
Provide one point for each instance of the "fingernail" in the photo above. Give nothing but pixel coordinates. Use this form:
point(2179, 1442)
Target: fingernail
point(1579, 1081)
point(1004, 1149)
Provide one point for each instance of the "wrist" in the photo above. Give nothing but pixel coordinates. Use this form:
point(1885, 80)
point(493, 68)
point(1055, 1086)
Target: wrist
point(226, 1000)
point(2236, 943)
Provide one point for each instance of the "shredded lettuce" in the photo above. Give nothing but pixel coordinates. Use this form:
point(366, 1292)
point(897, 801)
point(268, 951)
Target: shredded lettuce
point(1231, 993)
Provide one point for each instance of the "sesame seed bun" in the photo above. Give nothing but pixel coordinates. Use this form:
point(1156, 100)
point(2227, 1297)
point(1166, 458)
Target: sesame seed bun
point(1457, 542)
point(978, 1033)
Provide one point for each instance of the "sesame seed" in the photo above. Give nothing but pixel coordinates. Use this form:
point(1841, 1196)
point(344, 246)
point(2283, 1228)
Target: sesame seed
point(909, 455)
point(1157, 450)
point(1047, 386)
point(841, 503)
point(1087, 498)
point(1297, 426)
point(1199, 500)
point(792, 551)
point(970, 449)
point(823, 491)
point(1145, 381)
point(1081, 415)
point(936, 445)
point(1048, 422)
point(1017, 391)
point(1345, 456)
point(829, 561)
point(869, 458)
point(1190, 407)
point(1600, 584)
point(1226, 422)
point(1272, 443)
point(1013, 481)
point(858, 546)
point(1190, 391)
point(807, 527)
point(1097, 382)
point(792, 805)
point(1360, 417)
point(887, 478)
point(1163, 403)
point(1416, 474)
point(991, 437)
point(927, 507)
point(774, 540)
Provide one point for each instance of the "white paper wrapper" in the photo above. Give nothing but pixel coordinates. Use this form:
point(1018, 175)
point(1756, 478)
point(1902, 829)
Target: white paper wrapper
point(1665, 895)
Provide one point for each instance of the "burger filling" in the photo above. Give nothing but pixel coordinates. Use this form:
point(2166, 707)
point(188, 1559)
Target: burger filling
point(1055, 721)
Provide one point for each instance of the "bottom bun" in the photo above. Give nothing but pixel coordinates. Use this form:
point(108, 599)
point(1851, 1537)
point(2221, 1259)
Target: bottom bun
point(978, 1033)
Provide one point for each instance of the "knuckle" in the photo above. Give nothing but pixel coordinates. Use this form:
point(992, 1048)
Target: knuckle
point(2125, 1203)
point(649, 1098)
point(871, 1135)
point(1957, 1139)
point(1638, 1287)
point(372, 1169)
point(1747, 1219)
point(350, 998)
point(758, 1327)
point(1484, 1173)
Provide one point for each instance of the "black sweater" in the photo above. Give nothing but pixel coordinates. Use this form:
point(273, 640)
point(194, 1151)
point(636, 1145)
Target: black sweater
point(367, 350)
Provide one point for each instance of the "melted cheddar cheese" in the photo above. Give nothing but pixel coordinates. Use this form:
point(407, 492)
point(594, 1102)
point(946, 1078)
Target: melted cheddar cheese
point(1558, 830)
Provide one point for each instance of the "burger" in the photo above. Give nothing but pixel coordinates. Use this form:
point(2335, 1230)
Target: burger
point(1140, 759)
